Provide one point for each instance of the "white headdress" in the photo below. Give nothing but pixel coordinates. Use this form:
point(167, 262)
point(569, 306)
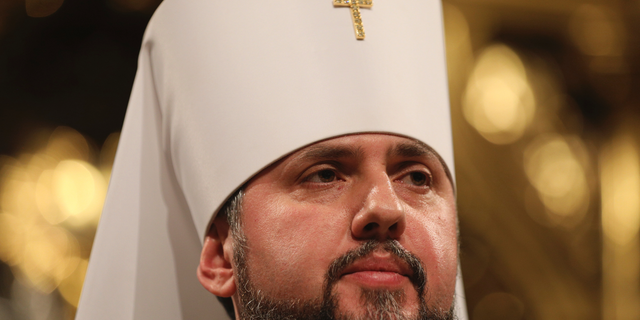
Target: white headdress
point(223, 89)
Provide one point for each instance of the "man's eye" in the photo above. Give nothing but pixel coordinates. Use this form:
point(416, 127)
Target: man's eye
point(419, 179)
point(322, 176)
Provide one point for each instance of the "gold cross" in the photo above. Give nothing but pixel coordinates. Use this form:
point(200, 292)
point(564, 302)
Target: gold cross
point(355, 6)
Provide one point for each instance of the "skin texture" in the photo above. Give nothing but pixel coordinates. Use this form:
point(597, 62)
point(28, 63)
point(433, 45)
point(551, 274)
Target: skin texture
point(309, 209)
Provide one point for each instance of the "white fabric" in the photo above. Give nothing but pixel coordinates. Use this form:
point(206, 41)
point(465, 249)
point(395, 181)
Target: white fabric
point(223, 89)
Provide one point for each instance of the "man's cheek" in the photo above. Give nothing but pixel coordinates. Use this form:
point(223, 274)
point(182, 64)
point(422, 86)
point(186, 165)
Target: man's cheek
point(289, 266)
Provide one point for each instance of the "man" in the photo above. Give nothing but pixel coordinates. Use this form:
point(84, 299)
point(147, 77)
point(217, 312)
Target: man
point(341, 229)
point(339, 146)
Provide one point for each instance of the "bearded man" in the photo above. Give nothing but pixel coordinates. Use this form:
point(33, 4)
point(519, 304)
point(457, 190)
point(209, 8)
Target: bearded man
point(342, 229)
point(307, 165)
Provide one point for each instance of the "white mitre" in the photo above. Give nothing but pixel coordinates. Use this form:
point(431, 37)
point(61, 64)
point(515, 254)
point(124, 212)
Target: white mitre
point(225, 88)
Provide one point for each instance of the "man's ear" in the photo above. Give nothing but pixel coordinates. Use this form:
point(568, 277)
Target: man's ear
point(215, 271)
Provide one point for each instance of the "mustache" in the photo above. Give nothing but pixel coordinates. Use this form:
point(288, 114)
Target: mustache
point(418, 277)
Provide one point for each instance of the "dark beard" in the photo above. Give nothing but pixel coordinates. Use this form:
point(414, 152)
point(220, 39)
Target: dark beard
point(379, 304)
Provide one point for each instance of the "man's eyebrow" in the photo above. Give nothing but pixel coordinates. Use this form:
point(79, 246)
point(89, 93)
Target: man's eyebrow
point(316, 153)
point(410, 150)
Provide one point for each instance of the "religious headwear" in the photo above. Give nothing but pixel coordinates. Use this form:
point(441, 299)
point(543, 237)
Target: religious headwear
point(225, 88)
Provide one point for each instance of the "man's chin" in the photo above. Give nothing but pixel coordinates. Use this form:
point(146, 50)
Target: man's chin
point(375, 303)
point(354, 301)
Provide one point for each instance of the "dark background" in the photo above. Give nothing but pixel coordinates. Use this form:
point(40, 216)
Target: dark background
point(73, 68)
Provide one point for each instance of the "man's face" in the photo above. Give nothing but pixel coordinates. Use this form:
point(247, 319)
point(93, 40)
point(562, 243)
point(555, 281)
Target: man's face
point(352, 217)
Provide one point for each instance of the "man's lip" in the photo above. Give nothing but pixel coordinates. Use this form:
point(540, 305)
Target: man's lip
point(378, 264)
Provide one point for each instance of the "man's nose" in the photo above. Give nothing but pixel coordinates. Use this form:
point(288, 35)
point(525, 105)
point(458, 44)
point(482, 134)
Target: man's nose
point(382, 215)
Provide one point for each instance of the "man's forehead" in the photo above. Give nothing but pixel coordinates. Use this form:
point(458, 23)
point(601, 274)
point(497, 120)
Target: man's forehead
point(354, 147)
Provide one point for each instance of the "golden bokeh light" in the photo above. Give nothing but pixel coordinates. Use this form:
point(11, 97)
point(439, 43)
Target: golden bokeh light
point(45, 197)
point(71, 287)
point(79, 190)
point(51, 254)
point(620, 183)
point(17, 190)
point(597, 31)
point(458, 48)
point(67, 143)
point(108, 154)
point(456, 27)
point(499, 101)
point(556, 167)
point(12, 239)
point(620, 190)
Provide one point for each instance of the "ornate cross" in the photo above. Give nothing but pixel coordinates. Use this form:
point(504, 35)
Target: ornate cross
point(355, 6)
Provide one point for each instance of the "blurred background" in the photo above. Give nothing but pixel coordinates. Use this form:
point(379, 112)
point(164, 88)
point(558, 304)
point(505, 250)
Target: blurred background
point(546, 128)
